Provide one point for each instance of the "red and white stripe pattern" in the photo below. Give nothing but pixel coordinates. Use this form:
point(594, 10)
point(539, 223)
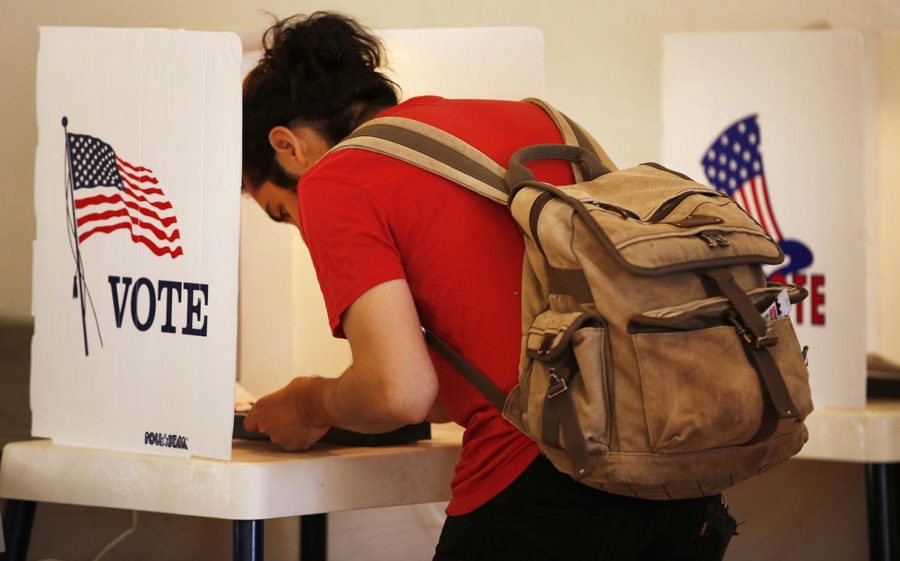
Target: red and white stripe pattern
point(112, 194)
point(753, 196)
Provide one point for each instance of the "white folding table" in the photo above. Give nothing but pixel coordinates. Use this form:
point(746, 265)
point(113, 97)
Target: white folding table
point(260, 482)
point(869, 435)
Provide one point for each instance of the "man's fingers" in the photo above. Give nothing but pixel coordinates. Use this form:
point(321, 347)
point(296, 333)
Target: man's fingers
point(251, 424)
point(288, 442)
point(275, 416)
point(293, 442)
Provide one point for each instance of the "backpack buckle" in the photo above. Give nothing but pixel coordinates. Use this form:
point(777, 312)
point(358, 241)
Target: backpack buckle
point(547, 344)
point(557, 386)
point(769, 339)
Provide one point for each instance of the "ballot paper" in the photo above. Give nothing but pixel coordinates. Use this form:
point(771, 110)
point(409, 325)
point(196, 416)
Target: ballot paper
point(135, 261)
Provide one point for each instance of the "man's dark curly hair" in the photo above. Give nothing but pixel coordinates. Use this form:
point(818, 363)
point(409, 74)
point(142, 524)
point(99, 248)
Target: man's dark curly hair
point(321, 70)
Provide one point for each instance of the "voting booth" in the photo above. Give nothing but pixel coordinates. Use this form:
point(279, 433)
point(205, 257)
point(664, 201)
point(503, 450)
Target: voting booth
point(140, 329)
point(135, 260)
point(784, 122)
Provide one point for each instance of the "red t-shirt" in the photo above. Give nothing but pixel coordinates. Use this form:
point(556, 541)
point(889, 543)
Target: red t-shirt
point(368, 218)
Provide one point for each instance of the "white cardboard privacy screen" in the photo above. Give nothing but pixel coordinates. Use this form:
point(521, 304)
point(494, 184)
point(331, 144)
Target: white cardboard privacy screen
point(284, 330)
point(784, 122)
point(137, 239)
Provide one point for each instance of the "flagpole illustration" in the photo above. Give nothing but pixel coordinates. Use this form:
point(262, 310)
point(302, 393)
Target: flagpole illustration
point(79, 268)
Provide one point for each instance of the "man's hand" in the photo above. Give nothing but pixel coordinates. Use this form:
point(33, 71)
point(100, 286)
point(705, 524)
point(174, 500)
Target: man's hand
point(286, 417)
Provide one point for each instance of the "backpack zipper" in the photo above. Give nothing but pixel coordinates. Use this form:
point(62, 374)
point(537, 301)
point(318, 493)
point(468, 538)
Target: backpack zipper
point(666, 208)
point(621, 211)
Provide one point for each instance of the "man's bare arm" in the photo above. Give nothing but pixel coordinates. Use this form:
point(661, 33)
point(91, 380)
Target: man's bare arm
point(391, 382)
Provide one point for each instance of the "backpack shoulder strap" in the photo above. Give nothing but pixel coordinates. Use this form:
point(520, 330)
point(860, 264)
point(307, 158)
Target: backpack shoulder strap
point(574, 135)
point(432, 149)
point(439, 152)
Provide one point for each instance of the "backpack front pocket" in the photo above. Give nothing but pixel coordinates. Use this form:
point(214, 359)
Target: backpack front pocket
point(700, 389)
point(569, 360)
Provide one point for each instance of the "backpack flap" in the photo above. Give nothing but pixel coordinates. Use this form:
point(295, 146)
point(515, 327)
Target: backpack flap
point(682, 224)
point(654, 221)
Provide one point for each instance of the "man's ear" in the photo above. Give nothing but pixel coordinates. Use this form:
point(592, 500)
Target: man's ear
point(291, 150)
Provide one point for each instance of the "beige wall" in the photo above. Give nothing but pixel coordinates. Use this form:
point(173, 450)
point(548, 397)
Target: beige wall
point(603, 66)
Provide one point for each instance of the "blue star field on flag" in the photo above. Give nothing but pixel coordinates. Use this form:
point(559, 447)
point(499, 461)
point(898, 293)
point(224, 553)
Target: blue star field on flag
point(93, 163)
point(734, 157)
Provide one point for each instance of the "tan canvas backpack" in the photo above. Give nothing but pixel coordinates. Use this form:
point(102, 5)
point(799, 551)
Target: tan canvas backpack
point(647, 368)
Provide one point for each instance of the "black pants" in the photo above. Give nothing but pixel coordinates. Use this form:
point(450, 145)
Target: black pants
point(545, 515)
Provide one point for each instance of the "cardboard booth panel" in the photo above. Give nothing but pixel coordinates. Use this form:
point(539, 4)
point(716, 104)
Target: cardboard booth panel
point(783, 122)
point(135, 259)
point(284, 329)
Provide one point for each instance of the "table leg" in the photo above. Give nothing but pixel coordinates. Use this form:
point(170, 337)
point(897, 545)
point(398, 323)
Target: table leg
point(17, 522)
point(881, 489)
point(247, 540)
point(314, 537)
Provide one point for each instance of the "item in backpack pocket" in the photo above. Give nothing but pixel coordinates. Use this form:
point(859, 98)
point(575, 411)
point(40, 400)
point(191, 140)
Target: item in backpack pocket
point(780, 308)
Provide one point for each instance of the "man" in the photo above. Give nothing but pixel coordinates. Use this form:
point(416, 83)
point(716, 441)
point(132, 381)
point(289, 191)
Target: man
point(395, 248)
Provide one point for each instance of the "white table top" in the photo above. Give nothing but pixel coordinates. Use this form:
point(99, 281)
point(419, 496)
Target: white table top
point(868, 434)
point(261, 481)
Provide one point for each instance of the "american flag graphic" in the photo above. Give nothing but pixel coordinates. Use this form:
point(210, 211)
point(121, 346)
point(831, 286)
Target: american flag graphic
point(733, 165)
point(112, 194)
